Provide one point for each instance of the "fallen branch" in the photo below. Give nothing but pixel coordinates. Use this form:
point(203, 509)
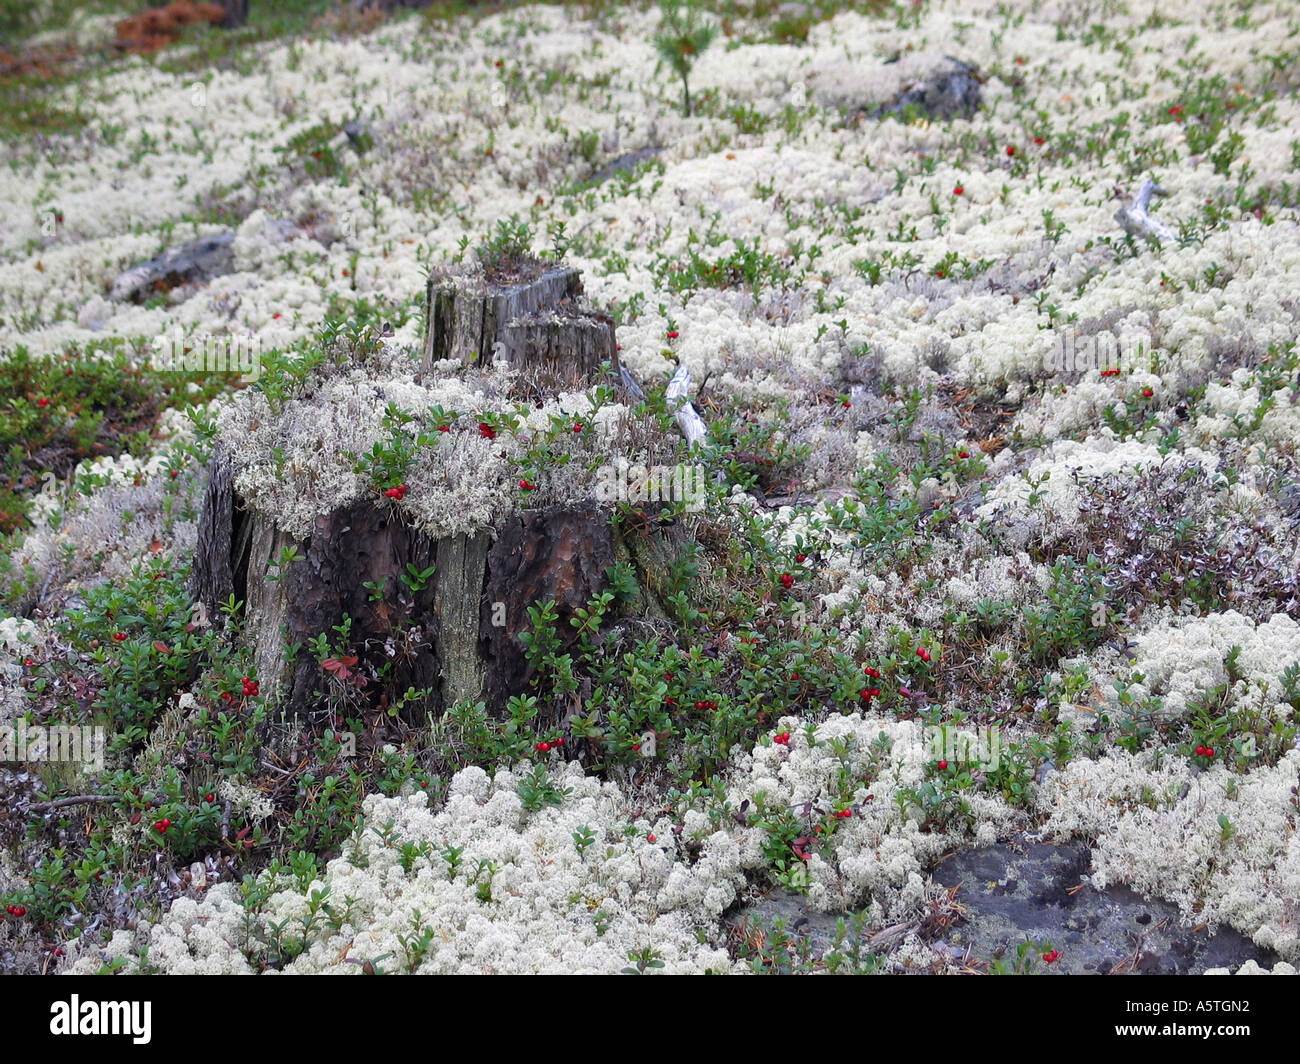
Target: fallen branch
point(691, 424)
point(1136, 218)
point(630, 385)
point(61, 803)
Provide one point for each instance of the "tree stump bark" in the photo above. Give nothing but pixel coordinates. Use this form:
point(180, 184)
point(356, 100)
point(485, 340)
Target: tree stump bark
point(456, 634)
point(236, 13)
point(454, 631)
point(538, 318)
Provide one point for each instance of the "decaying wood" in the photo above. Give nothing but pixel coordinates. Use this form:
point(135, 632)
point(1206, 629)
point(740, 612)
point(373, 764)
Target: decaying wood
point(630, 385)
point(558, 554)
point(63, 803)
point(454, 632)
point(216, 550)
point(691, 424)
point(458, 636)
point(1136, 218)
point(236, 13)
point(540, 319)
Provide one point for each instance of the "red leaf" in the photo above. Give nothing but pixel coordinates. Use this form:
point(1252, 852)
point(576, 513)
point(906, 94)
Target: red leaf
point(337, 667)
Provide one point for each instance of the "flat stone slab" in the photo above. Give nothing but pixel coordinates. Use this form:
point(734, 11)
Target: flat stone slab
point(1035, 890)
point(195, 262)
point(1013, 892)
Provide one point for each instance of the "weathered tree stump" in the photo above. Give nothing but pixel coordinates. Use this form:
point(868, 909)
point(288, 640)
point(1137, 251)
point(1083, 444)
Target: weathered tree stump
point(457, 635)
point(537, 317)
point(236, 13)
point(443, 615)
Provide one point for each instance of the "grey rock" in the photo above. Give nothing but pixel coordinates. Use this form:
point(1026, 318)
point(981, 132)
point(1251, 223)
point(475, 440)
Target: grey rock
point(1011, 893)
point(1289, 499)
point(359, 136)
point(952, 91)
point(624, 162)
point(1041, 892)
point(195, 263)
point(819, 928)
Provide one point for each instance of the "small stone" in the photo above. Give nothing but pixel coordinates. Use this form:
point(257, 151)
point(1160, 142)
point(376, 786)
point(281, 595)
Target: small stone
point(359, 136)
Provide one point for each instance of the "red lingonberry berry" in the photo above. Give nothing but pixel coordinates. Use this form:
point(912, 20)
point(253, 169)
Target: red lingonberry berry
point(922, 653)
point(787, 581)
point(1010, 151)
point(958, 190)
